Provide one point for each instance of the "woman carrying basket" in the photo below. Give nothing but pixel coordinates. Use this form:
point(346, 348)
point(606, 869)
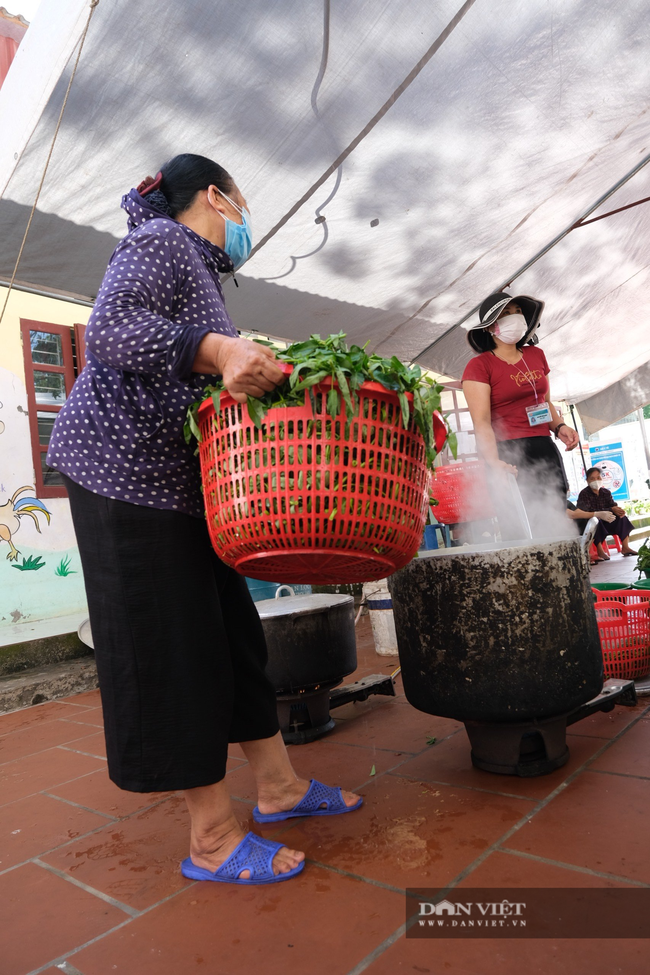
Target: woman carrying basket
point(179, 644)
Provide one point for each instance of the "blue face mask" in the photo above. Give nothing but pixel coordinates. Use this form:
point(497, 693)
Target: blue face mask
point(239, 236)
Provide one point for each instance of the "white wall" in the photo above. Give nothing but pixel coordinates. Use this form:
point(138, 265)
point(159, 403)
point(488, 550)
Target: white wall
point(28, 595)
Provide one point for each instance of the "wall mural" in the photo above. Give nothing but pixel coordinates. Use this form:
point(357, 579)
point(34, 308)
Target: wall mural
point(10, 516)
point(34, 534)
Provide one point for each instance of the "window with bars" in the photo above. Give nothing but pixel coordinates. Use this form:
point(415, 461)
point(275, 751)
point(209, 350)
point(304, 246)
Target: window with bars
point(454, 405)
point(54, 356)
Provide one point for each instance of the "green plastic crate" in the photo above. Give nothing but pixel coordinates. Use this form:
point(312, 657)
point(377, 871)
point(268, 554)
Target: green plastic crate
point(609, 586)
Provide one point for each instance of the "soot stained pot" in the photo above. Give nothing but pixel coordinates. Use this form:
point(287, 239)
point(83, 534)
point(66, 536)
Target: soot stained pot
point(498, 633)
point(310, 640)
point(312, 647)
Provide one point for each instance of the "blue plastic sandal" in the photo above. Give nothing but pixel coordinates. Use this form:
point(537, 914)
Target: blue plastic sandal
point(255, 854)
point(310, 804)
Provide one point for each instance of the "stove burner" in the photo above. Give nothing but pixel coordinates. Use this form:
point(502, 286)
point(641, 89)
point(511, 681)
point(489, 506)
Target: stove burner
point(305, 715)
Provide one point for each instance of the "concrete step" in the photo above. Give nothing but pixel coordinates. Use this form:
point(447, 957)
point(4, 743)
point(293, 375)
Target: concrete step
point(36, 643)
point(47, 683)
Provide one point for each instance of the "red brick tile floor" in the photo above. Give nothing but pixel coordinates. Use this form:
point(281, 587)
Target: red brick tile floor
point(90, 881)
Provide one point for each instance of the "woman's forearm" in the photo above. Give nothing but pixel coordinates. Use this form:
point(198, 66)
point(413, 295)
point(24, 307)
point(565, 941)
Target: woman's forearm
point(486, 441)
point(208, 355)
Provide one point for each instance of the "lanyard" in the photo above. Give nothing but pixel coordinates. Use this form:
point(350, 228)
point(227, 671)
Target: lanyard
point(527, 376)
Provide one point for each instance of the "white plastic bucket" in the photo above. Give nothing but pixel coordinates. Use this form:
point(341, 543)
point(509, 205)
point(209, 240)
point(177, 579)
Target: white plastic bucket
point(380, 609)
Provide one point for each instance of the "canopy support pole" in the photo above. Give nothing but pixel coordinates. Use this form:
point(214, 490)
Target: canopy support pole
point(644, 436)
point(575, 423)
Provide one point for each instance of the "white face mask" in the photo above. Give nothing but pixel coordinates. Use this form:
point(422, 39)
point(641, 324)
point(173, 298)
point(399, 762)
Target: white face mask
point(511, 328)
point(595, 485)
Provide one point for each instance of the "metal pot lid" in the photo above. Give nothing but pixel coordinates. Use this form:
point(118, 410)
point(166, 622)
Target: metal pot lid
point(301, 605)
point(85, 634)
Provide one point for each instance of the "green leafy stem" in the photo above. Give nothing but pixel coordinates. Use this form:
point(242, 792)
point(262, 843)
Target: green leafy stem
point(317, 360)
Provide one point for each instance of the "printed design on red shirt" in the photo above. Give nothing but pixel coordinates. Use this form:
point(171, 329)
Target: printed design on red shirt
point(532, 376)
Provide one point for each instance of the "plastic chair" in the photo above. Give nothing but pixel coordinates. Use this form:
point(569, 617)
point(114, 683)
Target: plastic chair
point(615, 543)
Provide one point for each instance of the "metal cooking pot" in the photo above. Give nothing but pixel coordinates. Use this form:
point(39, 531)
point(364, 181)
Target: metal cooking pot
point(311, 640)
point(498, 633)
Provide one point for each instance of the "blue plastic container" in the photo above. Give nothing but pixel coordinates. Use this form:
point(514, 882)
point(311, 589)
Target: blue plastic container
point(430, 537)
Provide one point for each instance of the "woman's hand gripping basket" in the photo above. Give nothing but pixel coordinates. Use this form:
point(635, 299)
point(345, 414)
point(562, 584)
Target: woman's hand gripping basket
point(302, 495)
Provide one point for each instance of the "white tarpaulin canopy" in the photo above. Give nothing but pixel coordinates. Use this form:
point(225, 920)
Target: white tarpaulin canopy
point(446, 146)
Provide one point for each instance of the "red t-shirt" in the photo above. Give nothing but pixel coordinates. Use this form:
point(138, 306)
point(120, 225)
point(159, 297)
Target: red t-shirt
point(512, 389)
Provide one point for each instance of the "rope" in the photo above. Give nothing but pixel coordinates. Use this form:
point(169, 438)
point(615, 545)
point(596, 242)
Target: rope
point(93, 4)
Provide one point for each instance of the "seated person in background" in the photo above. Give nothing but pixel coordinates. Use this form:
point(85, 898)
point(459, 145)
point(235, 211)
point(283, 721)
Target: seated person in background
point(582, 517)
point(596, 499)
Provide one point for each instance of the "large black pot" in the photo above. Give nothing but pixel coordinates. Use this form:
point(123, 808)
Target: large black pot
point(311, 640)
point(498, 634)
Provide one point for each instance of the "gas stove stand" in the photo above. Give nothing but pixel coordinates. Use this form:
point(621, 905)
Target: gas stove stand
point(536, 747)
point(305, 715)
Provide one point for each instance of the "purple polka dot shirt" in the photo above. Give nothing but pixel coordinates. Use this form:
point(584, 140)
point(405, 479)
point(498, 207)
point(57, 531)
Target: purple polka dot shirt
point(120, 433)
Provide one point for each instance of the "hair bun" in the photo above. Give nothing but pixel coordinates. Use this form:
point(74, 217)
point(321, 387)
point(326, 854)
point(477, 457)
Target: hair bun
point(159, 201)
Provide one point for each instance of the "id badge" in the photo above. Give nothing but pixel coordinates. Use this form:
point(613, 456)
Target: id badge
point(538, 414)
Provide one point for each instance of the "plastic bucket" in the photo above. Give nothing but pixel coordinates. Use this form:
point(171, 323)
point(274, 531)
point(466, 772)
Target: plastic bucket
point(382, 620)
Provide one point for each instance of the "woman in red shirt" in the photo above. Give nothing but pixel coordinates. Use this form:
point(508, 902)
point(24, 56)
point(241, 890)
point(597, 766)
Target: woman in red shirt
point(509, 399)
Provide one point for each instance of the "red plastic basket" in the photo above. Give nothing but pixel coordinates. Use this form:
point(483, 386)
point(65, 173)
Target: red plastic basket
point(310, 499)
point(624, 627)
point(462, 493)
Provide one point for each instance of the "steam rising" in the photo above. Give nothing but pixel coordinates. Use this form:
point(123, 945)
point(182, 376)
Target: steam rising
point(530, 506)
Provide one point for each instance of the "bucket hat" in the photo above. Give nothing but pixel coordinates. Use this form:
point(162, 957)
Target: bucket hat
point(491, 308)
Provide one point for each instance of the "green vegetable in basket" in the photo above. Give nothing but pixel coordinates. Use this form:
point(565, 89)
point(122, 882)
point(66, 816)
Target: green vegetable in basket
point(643, 559)
point(349, 367)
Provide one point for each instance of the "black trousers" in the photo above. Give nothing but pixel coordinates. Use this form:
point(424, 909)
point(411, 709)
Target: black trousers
point(621, 526)
point(179, 645)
